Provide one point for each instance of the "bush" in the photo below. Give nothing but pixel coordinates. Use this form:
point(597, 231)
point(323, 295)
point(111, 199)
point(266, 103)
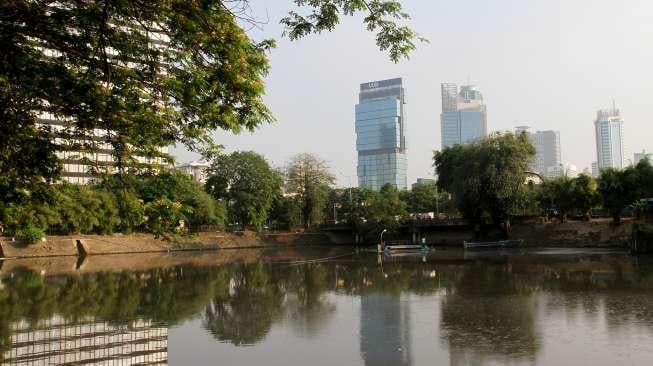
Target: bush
point(163, 216)
point(30, 234)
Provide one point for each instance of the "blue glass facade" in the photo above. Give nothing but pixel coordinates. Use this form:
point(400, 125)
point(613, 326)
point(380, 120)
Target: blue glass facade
point(464, 117)
point(380, 135)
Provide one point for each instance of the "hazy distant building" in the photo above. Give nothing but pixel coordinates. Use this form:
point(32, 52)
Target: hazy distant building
point(568, 170)
point(198, 170)
point(423, 181)
point(547, 147)
point(464, 117)
point(643, 155)
point(595, 169)
point(381, 135)
point(609, 126)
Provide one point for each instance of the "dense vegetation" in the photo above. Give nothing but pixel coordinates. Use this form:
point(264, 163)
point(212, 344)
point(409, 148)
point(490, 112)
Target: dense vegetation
point(148, 74)
point(155, 203)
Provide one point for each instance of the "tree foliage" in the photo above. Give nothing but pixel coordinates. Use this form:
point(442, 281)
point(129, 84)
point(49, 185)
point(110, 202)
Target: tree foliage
point(380, 16)
point(485, 176)
point(247, 183)
point(309, 179)
point(563, 196)
point(622, 188)
point(147, 73)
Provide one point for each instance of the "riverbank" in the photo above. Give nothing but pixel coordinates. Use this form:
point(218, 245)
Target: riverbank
point(75, 245)
point(599, 233)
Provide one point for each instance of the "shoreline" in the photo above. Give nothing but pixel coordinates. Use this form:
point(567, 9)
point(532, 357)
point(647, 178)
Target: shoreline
point(573, 234)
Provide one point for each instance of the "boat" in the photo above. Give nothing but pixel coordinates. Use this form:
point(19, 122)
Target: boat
point(402, 247)
point(509, 243)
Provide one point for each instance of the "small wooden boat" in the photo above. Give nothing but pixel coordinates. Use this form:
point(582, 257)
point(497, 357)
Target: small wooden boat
point(511, 243)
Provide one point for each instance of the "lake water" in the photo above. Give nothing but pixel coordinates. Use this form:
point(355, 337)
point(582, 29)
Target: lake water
point(326, 306)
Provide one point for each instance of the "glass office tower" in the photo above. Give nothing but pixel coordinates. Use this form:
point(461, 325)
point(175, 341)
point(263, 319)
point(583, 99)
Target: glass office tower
point(380, 135)
point(464, 116)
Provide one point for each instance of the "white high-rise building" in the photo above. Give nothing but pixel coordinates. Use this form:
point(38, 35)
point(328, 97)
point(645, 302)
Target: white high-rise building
point(643, 155)
point(609, 126)
point(547, 147)
point(595, 169)
point(464, 116)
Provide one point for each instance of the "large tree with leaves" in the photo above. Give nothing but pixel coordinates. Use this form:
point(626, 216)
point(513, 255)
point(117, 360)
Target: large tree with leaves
point(247, 183)
point(309, 180)
point(147, 73)
point(485, 176)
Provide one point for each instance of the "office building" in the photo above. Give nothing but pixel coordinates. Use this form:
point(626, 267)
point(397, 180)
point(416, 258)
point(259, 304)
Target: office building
point(567, 170)
point(464, 117)
point(609, 126)
point(643, 155)
point(423, 182)
point(381, 135)
point(198, 170)
point(595, 169)
point(547, 147)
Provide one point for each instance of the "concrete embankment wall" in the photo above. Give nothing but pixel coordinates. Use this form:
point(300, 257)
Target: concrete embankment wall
point(74, 245)
point(597, 233)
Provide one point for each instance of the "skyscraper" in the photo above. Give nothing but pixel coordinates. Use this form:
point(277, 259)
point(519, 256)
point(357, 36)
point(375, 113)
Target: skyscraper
point(464, 116)
point(547, 147)
point(609, 127)
point(641, 156)
point(380, 134)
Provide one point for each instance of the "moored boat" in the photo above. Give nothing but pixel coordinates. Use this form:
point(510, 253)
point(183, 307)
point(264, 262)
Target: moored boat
point(510, 243)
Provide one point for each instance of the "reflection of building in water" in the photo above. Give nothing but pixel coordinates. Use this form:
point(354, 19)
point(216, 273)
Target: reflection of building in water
point(57, 342)
point(385, 330)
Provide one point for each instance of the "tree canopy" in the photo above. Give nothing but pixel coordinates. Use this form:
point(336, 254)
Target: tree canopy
point(247, 183)
point(309, 180)
point(146, 73)
point(485, 176)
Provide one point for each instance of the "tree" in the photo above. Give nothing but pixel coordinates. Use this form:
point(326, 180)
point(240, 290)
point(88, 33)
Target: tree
point(585, 195)
point(247, 183)
point(556, 196)
point(485, 176)
point(148, 73)
point(622, 188)
point(387, 210)
point(422, 198)
point(618, 189)
point(309, 179)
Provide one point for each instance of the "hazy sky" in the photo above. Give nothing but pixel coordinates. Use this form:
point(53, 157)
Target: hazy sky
point(549, 64)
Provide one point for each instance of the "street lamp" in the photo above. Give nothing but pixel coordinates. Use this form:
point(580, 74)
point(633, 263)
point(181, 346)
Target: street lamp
point(381, 245)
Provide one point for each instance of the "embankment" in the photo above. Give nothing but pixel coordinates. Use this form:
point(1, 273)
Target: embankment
point(74, 245)
point(596, 233)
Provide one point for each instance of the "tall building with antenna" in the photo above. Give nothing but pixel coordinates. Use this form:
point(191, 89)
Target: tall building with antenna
point(609, 129)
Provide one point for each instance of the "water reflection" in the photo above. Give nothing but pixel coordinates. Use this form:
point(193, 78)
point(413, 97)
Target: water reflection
point(385, 330)
point(499, 309)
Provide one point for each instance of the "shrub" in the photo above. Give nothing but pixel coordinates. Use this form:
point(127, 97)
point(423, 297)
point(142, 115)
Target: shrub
point(163, 216)
point(30, 234)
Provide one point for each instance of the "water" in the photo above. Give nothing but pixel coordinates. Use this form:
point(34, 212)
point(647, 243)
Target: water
point(542, 307)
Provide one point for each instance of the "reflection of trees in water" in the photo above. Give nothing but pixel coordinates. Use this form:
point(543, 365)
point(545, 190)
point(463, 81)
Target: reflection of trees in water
point(487, 302)
point(244, 312)
point(307, 306)
point(260, 294)
point(488, 314)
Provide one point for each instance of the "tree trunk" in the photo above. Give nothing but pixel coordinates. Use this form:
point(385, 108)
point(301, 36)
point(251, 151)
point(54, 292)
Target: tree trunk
point(616, 218)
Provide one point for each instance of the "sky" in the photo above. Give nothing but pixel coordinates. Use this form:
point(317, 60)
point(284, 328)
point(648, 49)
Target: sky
point(547, 64)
